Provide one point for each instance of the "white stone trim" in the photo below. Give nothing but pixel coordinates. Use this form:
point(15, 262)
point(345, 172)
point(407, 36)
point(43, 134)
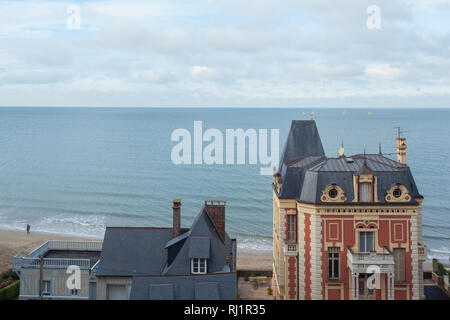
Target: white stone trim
point(301, 256)
point(316, 257)
point(415, 260)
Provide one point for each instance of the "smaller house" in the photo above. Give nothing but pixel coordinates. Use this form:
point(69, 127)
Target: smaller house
point(174, 263)
point(44, 272)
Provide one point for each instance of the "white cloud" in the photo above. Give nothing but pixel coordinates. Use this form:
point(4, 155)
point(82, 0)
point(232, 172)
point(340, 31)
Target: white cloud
point(384, 72)
point(203, 73)
point(226, 52)
point(158, 76)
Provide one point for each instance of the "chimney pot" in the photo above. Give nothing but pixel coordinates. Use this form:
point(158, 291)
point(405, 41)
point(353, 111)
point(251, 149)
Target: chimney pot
point(176, 206)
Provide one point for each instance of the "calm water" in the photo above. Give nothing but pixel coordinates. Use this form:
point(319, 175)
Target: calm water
point(77, 170)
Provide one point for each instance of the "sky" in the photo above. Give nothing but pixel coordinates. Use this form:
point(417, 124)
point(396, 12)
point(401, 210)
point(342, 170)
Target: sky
point(225, 53)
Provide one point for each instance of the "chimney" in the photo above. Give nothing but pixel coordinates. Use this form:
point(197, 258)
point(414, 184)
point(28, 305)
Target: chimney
point(216, 211)
point(176, 205)
point(401, 150)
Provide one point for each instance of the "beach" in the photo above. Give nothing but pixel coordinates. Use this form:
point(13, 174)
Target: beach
point(13, 242)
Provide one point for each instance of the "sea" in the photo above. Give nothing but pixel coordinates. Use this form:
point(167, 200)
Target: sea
point(74, 171)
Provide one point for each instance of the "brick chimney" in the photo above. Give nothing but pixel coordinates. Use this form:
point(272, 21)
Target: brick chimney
point(216, 211)
point(176, 205)
point(401, 150)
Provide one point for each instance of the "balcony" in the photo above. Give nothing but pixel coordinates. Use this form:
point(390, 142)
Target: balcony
point(360, 262)
point(60, 255)
point(290, 248)
point(422, 252)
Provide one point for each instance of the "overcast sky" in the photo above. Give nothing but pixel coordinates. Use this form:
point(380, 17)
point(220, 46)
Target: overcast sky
point(225, 53)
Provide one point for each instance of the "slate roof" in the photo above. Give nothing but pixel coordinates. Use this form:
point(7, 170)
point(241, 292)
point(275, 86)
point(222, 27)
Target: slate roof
point(306, 171)
point(152, 253)
point(133, 251)
point(197, 287)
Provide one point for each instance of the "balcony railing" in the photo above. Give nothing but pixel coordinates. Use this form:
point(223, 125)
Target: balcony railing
point(20, 262)
point(33, 260)
point(290, 248)
point(360, 262)
point(66, 245)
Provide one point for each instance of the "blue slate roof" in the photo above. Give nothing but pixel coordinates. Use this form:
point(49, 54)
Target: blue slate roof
point(305, 177)
point(133, 251)
point(159, 291)
point(152, 254)
point(199, 247)
point(221, 286)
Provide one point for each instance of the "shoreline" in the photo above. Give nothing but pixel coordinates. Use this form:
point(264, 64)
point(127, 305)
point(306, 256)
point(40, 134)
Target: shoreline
point(16, 241)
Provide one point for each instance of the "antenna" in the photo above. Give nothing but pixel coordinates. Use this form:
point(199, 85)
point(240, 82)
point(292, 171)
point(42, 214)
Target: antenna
point(400, 131)
point(379, 149)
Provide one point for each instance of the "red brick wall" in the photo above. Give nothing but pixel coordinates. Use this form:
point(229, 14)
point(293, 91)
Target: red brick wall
point(217, 214)
point(292, 277)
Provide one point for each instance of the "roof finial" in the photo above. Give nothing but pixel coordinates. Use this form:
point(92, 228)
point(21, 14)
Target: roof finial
point(341, 150)
point(365, 163)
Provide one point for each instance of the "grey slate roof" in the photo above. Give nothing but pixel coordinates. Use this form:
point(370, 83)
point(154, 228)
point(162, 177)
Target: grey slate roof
point(159, 291)
point(160, 265)
point(199, 247)
point(303, 141)
point(202, 227)
point(133, 251)
point(197, 287)
point(304, 178)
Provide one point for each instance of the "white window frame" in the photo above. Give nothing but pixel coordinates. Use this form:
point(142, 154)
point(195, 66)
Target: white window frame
point(364, 190)
point(199, 265)
point(364, 250)
point(46, 287)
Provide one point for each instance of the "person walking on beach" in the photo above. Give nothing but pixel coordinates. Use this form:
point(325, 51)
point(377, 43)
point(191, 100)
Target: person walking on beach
point(28, 228)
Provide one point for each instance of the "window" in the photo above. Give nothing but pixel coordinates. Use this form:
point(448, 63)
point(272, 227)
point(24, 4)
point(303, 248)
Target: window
point(399, 267)
point(366, 241)
point(198, 266)
point(333, 193)
point(292, 227)
point(397, 193)
point(46, 287)
point(333, 263)
point(364, 192)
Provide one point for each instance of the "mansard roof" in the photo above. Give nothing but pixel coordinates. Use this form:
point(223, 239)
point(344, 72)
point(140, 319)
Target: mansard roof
point(306, 171)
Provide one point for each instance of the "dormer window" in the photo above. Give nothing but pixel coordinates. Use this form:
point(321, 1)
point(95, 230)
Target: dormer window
point(365, 192)
point(199, 265)
point(333, 193)
point(365, 186)
point(397, 193)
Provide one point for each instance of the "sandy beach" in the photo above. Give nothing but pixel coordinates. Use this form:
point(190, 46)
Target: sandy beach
point(13, 242)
